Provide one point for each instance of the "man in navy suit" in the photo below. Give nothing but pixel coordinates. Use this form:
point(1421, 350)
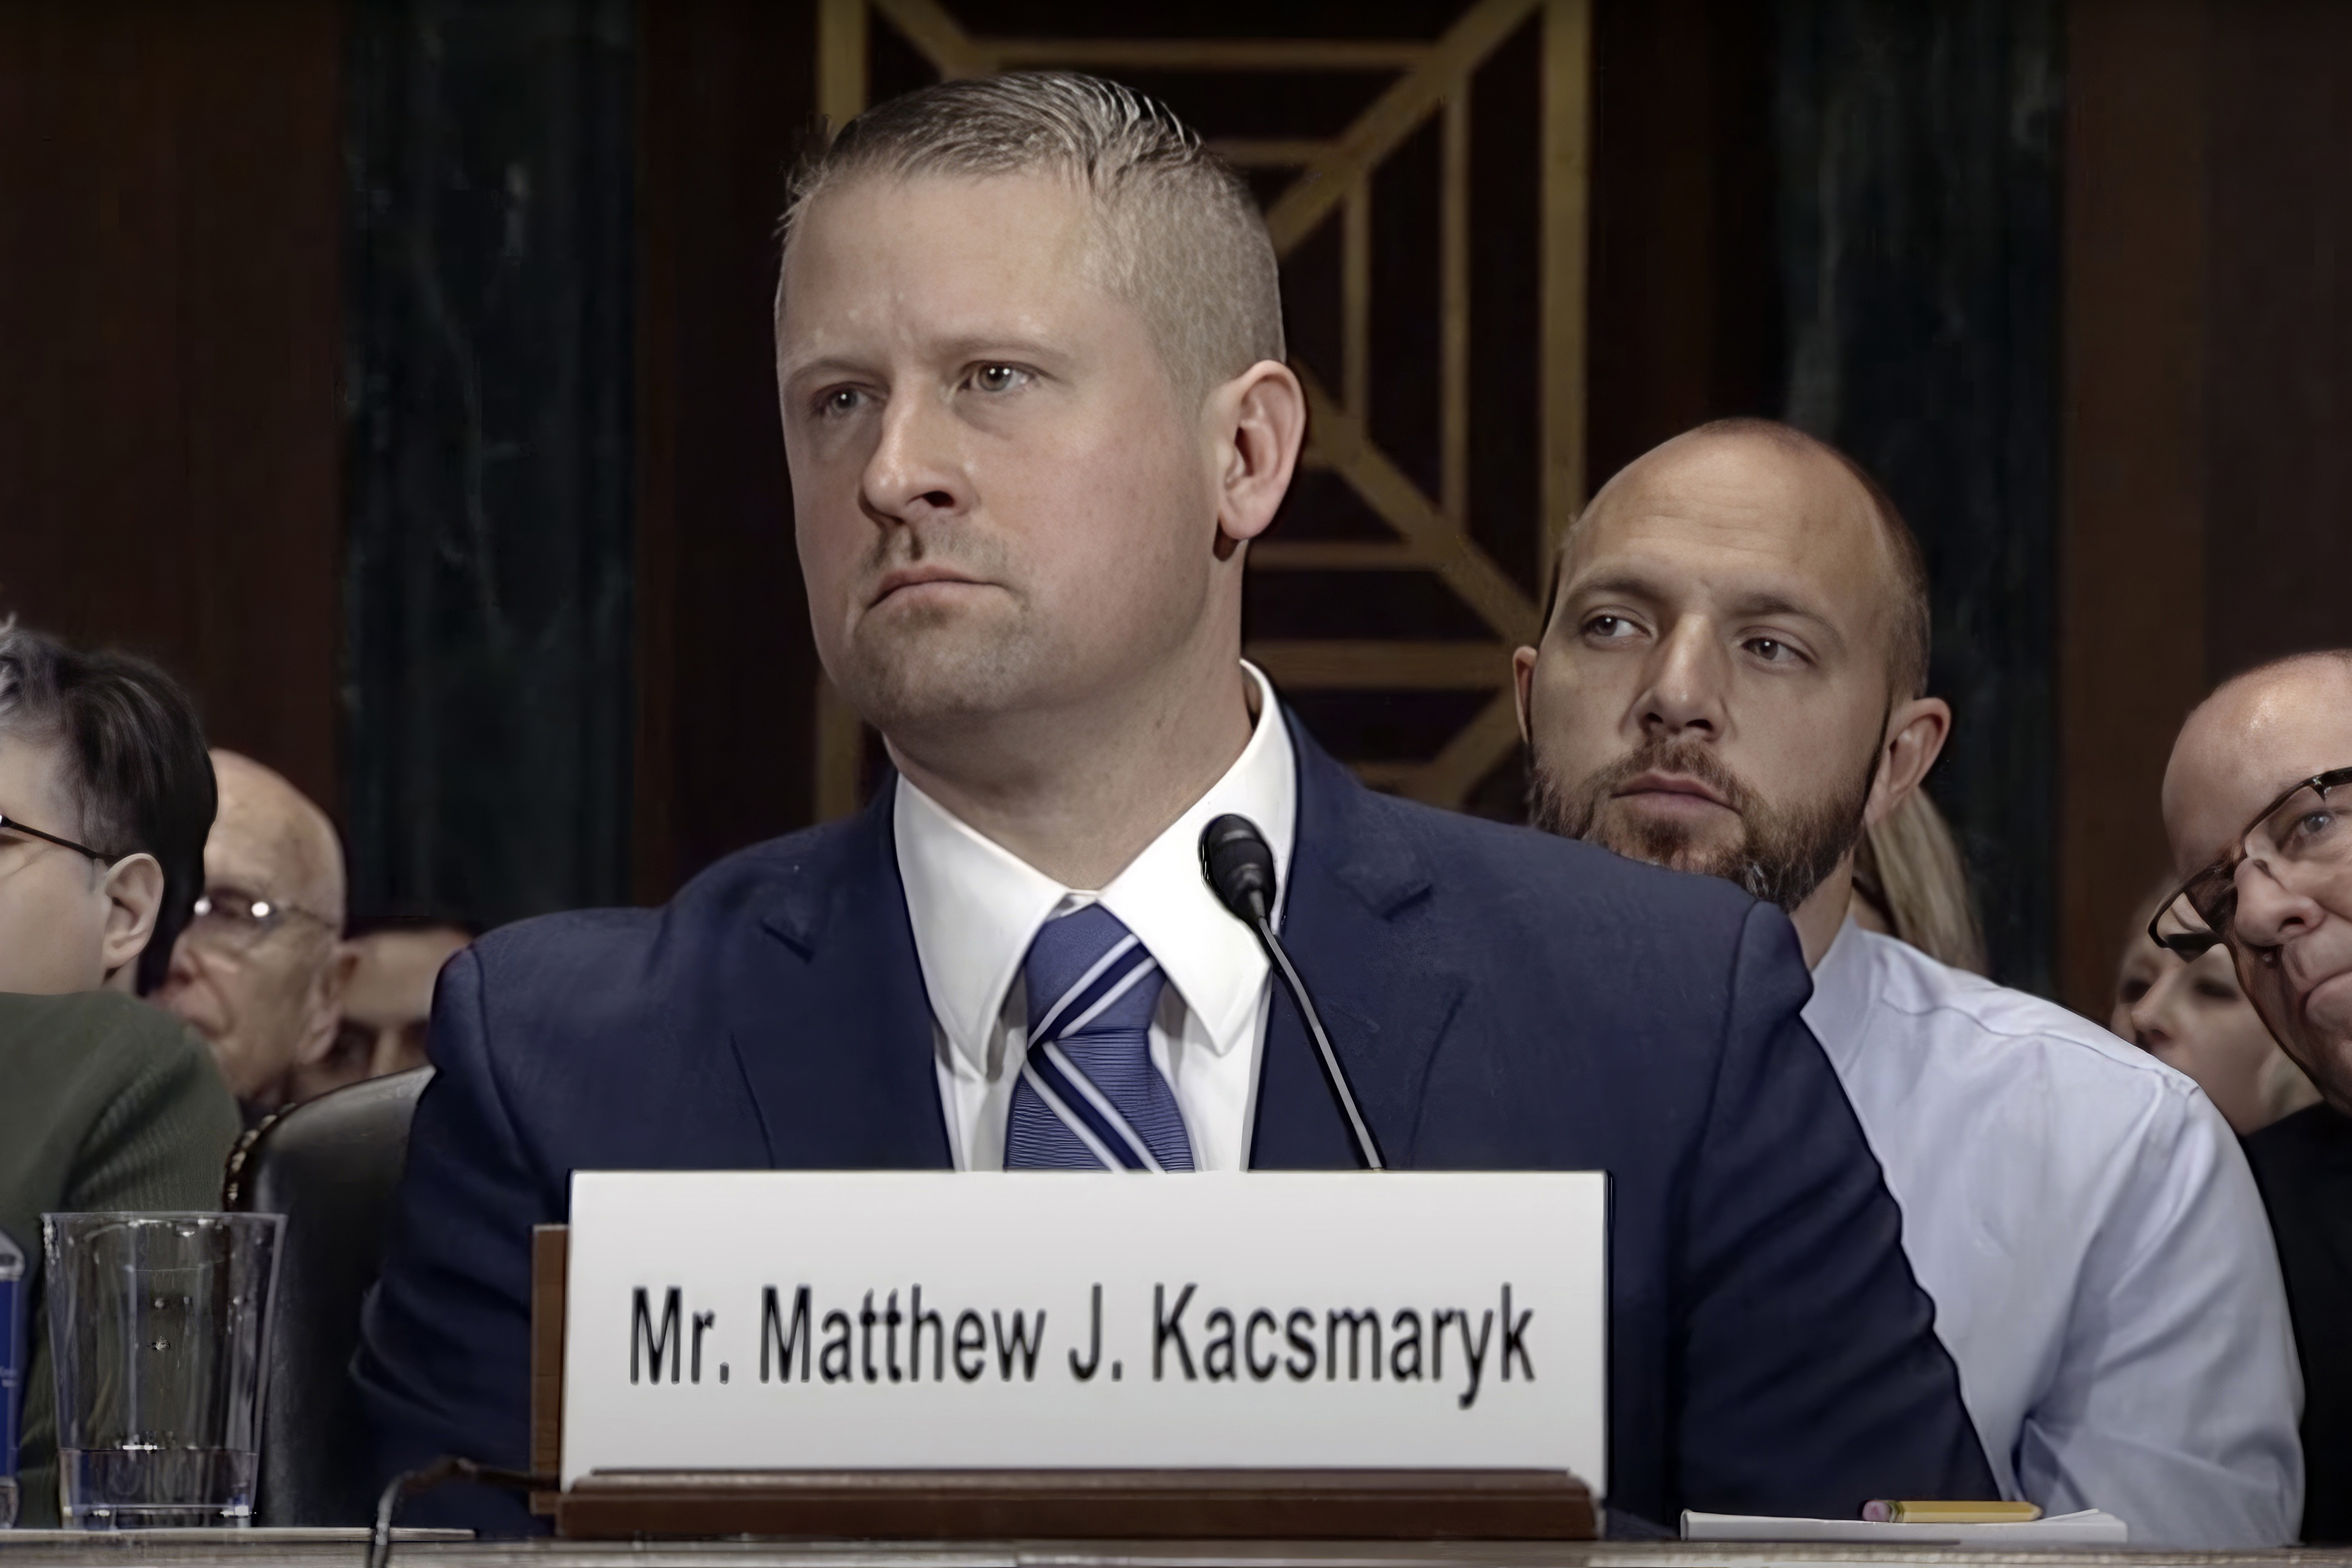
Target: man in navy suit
point(1029, 349)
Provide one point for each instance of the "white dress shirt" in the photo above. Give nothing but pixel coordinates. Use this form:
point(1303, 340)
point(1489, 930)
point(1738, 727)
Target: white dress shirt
point(2101, 1265)
point(976, 907)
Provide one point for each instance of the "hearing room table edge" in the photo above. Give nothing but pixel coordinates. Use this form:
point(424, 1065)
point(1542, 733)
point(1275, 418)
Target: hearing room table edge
point(230, 1549)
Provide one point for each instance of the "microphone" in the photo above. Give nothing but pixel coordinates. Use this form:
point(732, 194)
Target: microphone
point(1239, 868)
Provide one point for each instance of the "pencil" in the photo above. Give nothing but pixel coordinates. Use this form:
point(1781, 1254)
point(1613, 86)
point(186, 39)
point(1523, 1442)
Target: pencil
point(1890, 1512)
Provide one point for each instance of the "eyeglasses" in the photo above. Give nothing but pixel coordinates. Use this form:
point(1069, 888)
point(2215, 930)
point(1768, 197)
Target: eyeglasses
point(10, 825)
point(2304, 827)
point(237, 921)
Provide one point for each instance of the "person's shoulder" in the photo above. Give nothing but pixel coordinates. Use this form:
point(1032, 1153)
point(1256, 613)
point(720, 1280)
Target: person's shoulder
point(602, 947)
point(2315, 1137)
point(2028, 1042)
point(88, 1070)
point(608, 980)
point(93, 1035)
point(1522, 867)
point(797, 863)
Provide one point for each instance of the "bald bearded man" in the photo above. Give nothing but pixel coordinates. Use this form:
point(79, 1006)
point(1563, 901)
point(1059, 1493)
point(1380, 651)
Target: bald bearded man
point(1732, 682)
point(2255, 805)
point(261, 971)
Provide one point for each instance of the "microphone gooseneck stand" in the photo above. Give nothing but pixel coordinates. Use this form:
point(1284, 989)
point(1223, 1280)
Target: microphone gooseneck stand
point(1239, 868)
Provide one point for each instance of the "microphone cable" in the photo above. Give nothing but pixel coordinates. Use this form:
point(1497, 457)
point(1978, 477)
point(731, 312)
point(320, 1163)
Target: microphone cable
point(1238, 866)
point(449, 1467)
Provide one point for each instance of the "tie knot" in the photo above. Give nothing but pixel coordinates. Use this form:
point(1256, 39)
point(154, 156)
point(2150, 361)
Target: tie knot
point(1086, 973)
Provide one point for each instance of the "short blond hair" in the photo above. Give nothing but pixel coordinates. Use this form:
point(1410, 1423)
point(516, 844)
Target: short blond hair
point(1182, 238)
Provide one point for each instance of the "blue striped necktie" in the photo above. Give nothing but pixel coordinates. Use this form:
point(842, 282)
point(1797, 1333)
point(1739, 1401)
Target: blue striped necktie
point(1089, 1096)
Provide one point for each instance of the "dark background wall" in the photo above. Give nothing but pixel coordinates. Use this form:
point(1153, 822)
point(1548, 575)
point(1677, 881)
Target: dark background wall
point(397, 372)
point(170, 226)
point(2208, 401)
point(1687, 313)
point(726, 673)
point(490, 358)
point(1918, 193)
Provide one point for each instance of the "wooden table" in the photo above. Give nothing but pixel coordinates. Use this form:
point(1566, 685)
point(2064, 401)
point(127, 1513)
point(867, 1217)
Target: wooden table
point(266, 1548)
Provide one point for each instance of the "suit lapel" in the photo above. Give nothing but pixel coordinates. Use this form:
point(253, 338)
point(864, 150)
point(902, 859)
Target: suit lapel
point(831, 1022)
point(1386, 999)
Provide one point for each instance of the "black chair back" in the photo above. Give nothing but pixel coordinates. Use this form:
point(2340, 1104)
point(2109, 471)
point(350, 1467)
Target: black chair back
point(330, 1166)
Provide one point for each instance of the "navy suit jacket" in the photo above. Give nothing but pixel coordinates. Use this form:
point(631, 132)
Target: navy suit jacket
point(1501, 1000)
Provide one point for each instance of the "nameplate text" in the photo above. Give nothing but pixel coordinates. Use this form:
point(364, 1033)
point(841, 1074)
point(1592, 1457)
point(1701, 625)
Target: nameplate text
point(916, 1321)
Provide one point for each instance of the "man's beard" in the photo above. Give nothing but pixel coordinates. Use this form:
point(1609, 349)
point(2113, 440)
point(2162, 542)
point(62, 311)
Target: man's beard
point(1781, 855)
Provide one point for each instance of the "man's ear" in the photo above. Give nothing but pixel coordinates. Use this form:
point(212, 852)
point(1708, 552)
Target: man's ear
point(1916, 733)
point(134, 897)
point(324, 1015)
point(1260, 418)
point(1523, 681)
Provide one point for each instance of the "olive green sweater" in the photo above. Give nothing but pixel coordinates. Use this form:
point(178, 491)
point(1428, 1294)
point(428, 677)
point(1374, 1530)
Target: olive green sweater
point(105, 1104)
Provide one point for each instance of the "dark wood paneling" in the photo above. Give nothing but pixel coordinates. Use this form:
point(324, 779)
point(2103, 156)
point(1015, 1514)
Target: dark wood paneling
point(169, 332)
point(1685, 307)
point(726, 666)
point(2279, 368)
point(2132, 658)
point(2210, 401)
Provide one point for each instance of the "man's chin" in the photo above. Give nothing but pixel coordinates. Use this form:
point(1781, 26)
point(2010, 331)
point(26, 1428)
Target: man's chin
point(2327, 1019)
point(1671, 845)
point(939, 674)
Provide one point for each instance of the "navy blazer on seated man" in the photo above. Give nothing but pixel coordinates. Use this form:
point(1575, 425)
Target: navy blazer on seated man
point(1501, 999)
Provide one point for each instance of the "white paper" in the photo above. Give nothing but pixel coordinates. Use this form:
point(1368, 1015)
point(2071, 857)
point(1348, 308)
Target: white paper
point(2089, 1528)
point(1286, 1256)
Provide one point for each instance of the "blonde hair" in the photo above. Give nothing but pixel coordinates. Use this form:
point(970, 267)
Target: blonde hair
point(1909, 867)
point(1181, 237)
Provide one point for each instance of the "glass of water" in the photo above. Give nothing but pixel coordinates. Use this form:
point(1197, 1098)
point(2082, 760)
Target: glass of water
point(159, 1330)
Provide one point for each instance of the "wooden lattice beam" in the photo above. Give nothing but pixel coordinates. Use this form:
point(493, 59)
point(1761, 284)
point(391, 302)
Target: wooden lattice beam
point(1433, 78)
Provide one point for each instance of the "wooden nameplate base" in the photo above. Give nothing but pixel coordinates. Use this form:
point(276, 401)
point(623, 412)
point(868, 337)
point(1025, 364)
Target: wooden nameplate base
point(1014, 1505)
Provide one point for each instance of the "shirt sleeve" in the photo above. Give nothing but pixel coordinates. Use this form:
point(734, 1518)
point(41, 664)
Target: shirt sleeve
point(2175, 1403)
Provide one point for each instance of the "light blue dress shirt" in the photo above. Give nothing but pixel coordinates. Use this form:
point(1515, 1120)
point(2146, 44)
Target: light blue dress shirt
point(2101, 1268)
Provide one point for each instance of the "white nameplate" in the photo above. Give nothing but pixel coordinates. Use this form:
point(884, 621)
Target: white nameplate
point(937, 1320)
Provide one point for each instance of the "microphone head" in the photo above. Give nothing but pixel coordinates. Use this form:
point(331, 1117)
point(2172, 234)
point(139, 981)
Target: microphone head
point(1239, 867)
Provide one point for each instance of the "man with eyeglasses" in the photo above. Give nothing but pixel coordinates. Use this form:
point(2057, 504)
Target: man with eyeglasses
point(105, 1104)
point(261, 970)
point(2258, 805)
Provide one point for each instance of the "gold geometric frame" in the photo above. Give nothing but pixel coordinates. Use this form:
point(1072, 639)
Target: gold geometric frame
point(1431, 533)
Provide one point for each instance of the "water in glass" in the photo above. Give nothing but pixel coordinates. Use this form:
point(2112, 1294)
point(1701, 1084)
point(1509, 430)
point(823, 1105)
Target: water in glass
point(152, 1486)
point(159, 1329)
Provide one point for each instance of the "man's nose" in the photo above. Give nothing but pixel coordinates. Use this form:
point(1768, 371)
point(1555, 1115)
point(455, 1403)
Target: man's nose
point(915, 470)
point(1685, 690)
point(183, 967)
point(2270, 914)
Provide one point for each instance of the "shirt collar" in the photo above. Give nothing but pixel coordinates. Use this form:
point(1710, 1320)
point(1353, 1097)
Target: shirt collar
point(1846, 988)
point(976, 906)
